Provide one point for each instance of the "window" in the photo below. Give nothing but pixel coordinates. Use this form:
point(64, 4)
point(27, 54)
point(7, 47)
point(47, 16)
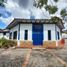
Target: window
point(10, 35)
point(49, 34)
point(26, 35)
point(4, 33)
point(58, 35)
point(15, 35)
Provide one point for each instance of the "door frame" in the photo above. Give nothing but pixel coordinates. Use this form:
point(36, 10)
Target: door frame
point(34, 33)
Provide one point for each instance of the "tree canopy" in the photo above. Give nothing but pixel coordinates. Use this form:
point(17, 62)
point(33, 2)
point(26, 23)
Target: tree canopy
point(63, 12)
point(52, 9)
point(42, 3)
point(2, 3)
point(56, 19)
point(55, 0)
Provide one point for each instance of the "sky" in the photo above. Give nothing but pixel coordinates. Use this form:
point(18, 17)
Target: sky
point(25, 9)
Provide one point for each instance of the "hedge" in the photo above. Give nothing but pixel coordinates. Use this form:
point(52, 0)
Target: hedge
point(4, 43)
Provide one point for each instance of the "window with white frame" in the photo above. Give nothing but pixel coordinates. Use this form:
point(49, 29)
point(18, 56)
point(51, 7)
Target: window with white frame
point(26, 35)
point(58, 35)
point(15, 35)
point(10, 35)
point(49, 34)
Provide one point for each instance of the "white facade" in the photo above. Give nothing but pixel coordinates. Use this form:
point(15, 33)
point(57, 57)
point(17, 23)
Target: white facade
point(14, 29)
point(58, 30)
point(28, 27)
point(1, 35)
point(5, 36)
point(49, 27)
point(64, 35)
point(24, 27)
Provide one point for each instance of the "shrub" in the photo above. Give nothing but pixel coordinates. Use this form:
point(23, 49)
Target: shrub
point(4, 43)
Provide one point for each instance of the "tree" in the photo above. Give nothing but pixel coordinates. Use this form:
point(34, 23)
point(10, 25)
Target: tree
point(51, 9)
point(56, 19)
point(63, 13)
point(42, 3)
point(55, 0)
point(2, 3)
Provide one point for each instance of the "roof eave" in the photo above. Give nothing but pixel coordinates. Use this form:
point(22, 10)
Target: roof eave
point(28, 21)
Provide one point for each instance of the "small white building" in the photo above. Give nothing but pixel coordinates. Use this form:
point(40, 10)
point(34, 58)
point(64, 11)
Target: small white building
point(35, 32)
point(64, 34)
point(4, 33)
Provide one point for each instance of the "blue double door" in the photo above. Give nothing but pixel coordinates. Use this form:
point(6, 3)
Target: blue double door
point(37, 35)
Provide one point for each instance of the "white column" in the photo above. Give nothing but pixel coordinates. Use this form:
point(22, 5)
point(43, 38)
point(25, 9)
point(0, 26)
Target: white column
point(18, 43)
point(57, 43)
point(19, 35)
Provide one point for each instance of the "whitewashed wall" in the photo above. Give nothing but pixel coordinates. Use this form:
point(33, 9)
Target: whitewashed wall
point(14, 29)
point(5, 36)
point(1, 35)
point(49, 27)
point(64, 36)
point(24, 27)
point(28, 27)
point(58, 30)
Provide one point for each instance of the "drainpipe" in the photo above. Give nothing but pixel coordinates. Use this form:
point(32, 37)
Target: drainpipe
point(19, 35)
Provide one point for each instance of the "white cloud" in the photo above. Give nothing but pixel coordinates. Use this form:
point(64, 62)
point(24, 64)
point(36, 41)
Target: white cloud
point(20, 12)
point(7, 20)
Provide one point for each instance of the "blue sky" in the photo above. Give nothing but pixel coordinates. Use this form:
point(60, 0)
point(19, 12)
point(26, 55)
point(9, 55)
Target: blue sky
point(5, 14)
point(2, 25)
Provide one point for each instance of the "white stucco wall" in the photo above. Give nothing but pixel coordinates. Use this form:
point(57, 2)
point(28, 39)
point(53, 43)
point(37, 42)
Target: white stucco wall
point(49, 27)
point(58, 30)
point(24, 27)
point(64, 35)
point(14, 29)
point(1, 35)
point(28, 27)
point(6, 36)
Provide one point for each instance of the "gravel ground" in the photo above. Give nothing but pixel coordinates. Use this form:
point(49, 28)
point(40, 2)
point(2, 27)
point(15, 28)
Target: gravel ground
point(38, 58)
point(62, 53)
point(1, 50)
point(13, 58)
point(43, 59)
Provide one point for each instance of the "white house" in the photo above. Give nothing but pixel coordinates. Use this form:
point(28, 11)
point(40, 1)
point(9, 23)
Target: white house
point(4, 33)
point(35, 32)
point(64, 34)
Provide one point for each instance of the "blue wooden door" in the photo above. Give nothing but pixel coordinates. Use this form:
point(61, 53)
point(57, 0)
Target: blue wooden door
point(37, 35)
